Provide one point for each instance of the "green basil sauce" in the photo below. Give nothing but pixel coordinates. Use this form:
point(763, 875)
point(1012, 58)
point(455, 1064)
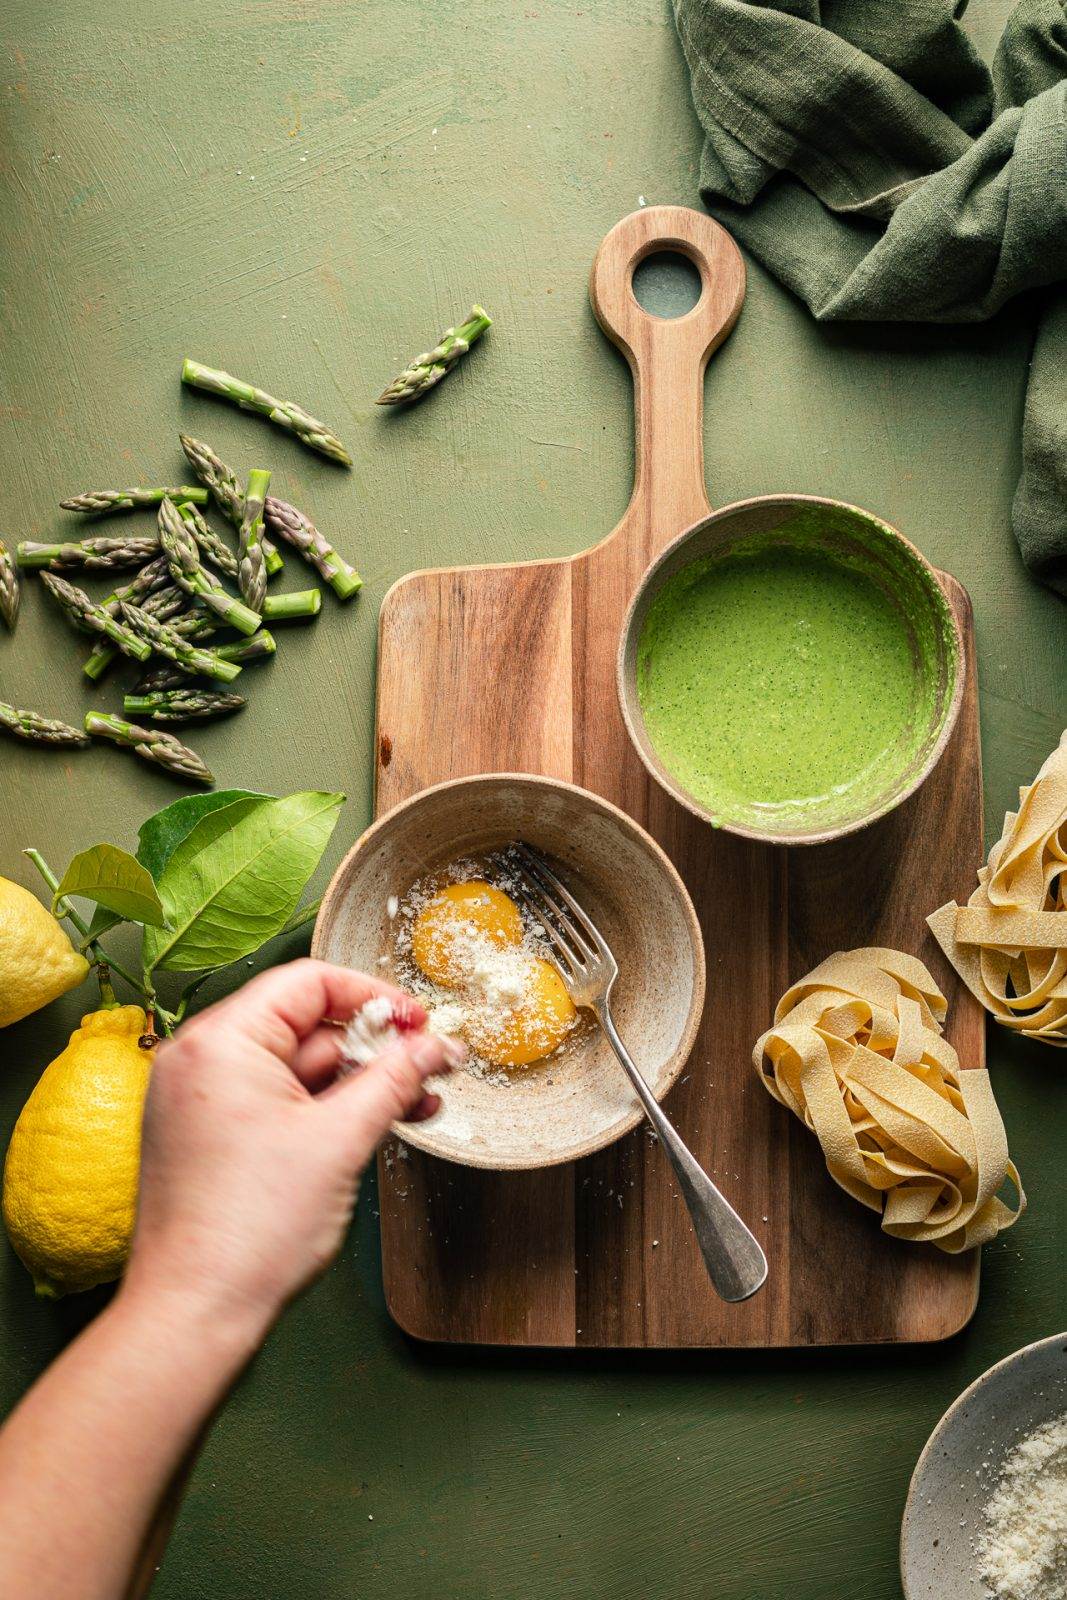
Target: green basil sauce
point(780, 681)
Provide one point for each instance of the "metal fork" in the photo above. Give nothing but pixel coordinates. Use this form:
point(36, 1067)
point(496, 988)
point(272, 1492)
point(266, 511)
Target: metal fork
point(736, 1265)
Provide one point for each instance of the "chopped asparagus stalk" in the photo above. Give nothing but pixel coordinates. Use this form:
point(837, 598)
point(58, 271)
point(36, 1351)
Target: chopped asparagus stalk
point(225, 488)
point(252, 565)
point(284, 413)
point(427, 370)
point(151, 744)
point(150, 584)
point(188, 571)
point(39, 730)
point(288, 607)
point(286, 522)
point(10, 591)
point(160, 677)
point(87, 555)
point(91, 618)
point(185, 655)
point(210, 545)
point(101, 500)
point(261, 645)
point(182, 705)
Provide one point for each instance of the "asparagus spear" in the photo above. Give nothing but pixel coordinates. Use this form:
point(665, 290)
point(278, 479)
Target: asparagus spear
point(219, 478)
point(242, 651)
point(286, 522)
point(39, 730)
point(283, 412)
point(184, 654)
point(182, 705)
point(88, 555)
point(224, 486)
point(288, 607)
point(158, 678)
point(428, 369)
point(98, 500)
point(189, 572)
point(10, 592)
point(152, 745)
point(94, 619)
point(260, 645)
point(252, 567)
point(195, 625)
point(208, 541)
point(142, 589)
point(152, 577)
point(169, 605)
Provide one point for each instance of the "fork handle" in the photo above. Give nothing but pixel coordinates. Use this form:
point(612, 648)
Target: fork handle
point(736, 1265)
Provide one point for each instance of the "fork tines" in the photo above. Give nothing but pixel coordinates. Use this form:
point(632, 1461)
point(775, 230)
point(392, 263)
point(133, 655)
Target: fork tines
point(568, 927)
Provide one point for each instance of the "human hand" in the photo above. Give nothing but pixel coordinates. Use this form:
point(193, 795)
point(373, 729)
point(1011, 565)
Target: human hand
point(252, 1151)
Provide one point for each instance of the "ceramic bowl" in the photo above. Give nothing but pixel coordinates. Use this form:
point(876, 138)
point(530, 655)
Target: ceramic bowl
point(842, 534)
point(580, 1102)
point(958, 1469)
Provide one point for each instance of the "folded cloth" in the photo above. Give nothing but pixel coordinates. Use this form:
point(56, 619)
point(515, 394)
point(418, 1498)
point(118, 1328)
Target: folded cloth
point(868, 157)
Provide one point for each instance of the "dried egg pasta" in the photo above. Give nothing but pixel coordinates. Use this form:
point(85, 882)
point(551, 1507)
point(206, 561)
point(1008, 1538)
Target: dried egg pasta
point(1009, 942)
point(856, 1052)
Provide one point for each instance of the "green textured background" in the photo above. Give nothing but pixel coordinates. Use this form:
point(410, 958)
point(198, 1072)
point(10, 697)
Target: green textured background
point(307, 191)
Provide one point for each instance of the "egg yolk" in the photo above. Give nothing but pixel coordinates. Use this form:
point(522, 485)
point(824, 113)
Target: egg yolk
point(440, 938)
point(530, 1030)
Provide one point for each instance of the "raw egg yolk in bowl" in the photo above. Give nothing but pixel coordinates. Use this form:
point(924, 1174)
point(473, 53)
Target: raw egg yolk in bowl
point(470, 938)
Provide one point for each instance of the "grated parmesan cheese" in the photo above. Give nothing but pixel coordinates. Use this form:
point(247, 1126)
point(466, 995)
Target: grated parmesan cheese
point(1022, 1551)
point(370, 1031)
point(494, 982)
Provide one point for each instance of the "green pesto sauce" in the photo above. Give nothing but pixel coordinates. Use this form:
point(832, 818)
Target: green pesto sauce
point(779, 683)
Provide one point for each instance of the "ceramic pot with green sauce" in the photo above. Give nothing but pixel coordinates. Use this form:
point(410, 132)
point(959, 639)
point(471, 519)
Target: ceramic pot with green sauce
point(790, 669)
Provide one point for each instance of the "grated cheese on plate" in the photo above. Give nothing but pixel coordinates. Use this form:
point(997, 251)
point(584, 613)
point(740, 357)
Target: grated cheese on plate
point(1022, 1551)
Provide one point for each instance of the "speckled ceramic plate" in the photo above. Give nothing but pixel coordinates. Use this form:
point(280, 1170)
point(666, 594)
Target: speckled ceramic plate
point(958, 1469)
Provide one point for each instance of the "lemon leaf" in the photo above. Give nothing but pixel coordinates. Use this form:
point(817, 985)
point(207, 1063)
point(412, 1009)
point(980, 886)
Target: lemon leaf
point(235, 879)
point(116, 880)
point(160, 835)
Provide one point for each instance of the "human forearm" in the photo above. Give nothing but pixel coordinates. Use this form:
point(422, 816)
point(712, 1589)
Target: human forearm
point(86, 1458)
point(252, 1146)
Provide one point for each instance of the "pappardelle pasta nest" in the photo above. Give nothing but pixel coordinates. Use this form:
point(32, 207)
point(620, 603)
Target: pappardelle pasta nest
point(1009, 942)
point(856, 1052)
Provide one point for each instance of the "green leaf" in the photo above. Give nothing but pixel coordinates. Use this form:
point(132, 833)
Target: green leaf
point(235, 879)
point(115, 879)
point(102, 921)
point(159, 836)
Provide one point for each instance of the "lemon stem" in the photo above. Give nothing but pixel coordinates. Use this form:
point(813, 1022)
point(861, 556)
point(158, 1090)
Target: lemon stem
point(98, 954)
point(108, 1000)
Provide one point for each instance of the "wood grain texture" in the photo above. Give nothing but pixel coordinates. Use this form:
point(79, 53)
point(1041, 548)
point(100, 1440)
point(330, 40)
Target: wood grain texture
point(513, 668)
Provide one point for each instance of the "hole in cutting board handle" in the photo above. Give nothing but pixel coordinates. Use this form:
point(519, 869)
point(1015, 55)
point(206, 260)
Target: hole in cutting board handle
point(667, 284)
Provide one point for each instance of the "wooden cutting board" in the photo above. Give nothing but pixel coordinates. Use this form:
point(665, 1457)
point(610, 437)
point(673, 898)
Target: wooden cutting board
point(512, 668)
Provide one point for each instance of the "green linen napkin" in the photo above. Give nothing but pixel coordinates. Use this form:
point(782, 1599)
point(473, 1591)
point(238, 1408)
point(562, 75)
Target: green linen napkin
point(866, 155)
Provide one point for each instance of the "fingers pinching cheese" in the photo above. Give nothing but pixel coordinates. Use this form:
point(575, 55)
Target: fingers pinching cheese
point(1009, 942)
point(856, 1052)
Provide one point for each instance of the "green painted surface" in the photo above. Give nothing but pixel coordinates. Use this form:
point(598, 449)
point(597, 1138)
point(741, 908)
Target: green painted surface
point(307, 191)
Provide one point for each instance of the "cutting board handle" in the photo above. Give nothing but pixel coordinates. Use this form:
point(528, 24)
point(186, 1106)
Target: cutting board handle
point(667, 356)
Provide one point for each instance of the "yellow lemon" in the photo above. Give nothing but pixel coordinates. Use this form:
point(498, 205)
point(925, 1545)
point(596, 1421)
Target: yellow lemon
point(70, 1180)
point(37, 960)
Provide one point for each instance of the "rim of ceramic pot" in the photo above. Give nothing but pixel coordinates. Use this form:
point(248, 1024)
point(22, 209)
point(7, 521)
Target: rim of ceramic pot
point(626, 677)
